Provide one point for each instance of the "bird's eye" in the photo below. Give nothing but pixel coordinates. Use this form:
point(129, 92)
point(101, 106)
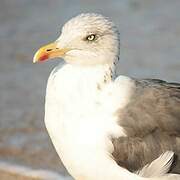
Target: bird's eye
point(91, 37)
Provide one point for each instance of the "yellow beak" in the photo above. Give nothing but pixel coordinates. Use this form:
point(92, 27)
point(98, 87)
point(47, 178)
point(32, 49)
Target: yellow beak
point(48, 52)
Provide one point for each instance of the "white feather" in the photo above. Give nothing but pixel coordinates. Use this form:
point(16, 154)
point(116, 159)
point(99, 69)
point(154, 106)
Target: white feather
point(159, 166)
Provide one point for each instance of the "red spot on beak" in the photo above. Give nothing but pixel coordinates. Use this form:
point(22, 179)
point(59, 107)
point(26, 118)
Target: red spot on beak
point(44, 57)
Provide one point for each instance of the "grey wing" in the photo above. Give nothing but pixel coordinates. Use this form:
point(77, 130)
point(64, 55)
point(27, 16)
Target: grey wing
point(152, 124)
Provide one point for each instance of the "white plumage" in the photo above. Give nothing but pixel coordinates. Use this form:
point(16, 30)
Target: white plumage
point(82, 99)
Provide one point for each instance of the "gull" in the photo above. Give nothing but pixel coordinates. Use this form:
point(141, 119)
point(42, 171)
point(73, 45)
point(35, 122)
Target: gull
point(104, 126)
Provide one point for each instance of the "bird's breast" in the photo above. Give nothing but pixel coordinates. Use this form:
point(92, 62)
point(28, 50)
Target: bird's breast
point(80, 118)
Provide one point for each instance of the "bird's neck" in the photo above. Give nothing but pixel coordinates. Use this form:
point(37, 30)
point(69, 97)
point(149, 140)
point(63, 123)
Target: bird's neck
point(97, 75)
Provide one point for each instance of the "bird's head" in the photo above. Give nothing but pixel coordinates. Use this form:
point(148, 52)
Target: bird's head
point(87, 39)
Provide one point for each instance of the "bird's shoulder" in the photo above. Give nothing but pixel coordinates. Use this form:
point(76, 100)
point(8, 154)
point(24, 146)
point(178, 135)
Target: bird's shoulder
point(153, 104)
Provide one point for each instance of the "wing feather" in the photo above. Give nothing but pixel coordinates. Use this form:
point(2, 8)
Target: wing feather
point(152, 123)
point(159, 166)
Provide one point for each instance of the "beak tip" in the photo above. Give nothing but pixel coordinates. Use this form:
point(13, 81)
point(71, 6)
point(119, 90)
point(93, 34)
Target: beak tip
point(35, 60)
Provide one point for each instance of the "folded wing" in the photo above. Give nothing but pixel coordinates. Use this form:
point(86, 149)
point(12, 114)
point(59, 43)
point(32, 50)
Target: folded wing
point(152, 124)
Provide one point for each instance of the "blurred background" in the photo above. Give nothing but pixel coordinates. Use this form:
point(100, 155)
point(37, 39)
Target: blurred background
point(150, 48)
